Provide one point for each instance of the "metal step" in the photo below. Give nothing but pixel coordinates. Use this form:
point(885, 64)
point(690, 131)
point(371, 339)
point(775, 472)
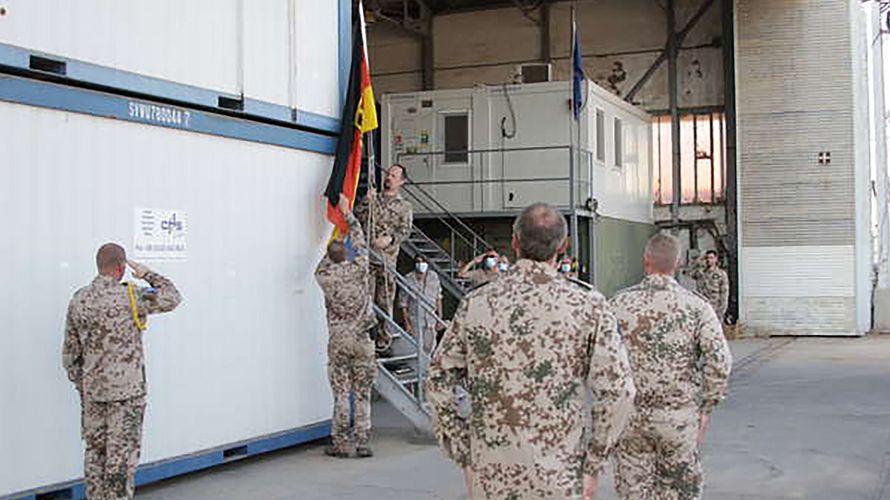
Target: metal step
point(396, 359)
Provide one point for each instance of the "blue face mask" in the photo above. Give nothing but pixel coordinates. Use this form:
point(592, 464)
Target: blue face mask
point(421, 267)
point(503, 266)
point(489, 262)
point(566, 268)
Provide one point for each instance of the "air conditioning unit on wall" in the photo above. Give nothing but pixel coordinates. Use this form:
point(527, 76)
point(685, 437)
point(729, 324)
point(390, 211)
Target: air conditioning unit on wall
point(534, 72)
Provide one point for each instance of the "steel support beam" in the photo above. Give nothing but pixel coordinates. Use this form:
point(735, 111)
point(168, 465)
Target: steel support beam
point(673, 86)
point(731, 183)
point(681, 36)
point(546, 52)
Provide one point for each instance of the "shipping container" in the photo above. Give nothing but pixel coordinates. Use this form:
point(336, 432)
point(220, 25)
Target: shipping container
point(199, 136)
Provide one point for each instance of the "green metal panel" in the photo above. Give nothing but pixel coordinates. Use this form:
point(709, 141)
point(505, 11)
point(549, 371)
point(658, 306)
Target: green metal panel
point(619, 253)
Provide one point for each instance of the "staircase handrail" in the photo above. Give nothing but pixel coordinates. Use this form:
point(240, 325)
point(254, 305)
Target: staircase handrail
point(445, 211)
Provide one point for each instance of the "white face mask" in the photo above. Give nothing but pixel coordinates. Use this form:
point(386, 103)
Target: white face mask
point(489, 262)
point(503, 266)
point(421, 267)
point(566, 268)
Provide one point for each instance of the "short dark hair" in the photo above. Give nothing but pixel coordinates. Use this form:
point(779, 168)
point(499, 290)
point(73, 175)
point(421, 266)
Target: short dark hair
point(712, 252)
point(541, 230)
point(420, 258)
point(337, 251)
point(109, 256)
point(402, 168)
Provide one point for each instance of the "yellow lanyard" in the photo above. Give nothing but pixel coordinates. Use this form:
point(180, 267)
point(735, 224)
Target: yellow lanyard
point(140, 324)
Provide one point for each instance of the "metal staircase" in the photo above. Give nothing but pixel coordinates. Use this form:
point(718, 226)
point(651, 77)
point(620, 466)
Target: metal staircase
point(462, 240)
point(401, 375)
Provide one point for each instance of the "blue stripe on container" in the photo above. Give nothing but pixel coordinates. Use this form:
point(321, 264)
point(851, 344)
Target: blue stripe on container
point(67, 98)
point(157, 471)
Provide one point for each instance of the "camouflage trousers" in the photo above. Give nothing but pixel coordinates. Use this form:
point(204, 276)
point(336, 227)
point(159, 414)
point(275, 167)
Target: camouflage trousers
point(112, 433)
point(351, 371)
point(383, 289)
point(657, 457)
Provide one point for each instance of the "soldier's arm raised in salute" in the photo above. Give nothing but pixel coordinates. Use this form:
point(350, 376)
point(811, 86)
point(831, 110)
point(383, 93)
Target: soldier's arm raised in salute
point(164, 298)
point(447, 370)
point(611, 383)
point(716, 365)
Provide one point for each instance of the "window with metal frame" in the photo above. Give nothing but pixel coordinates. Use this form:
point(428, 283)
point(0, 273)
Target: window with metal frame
point(618, 128)
point(456, 128)
point(702, 159)
point(600, 135)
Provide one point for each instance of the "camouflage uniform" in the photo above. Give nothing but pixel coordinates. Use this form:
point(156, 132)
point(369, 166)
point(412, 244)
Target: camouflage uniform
point(479, 277)
point(351, 362)
point(393, 217)
point(713, 284)
point(529, 346)
point(428, 286)
point(103, 356)
point(681, 365)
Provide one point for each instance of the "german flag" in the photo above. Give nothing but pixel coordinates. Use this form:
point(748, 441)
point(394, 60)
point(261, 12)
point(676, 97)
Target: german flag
point(359, 117)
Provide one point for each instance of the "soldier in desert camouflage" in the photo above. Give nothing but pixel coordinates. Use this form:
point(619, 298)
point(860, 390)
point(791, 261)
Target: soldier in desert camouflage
point(681, 364)
point(351, 362)
point(528, 346)
point(103, 356)
point(391, 222)
point(713, 283)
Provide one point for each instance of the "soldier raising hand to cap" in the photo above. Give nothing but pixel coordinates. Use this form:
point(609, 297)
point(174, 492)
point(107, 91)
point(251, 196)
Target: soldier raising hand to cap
point(103, 356)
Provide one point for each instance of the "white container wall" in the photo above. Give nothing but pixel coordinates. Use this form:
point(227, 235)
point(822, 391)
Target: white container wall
point(283, 52)
point(243, 356)
point(519, 138)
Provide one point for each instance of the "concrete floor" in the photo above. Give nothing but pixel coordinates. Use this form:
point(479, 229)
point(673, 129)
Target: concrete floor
point(806, 419)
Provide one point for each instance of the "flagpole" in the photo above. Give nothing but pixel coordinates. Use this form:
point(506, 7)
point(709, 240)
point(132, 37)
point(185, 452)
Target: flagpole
point(573, 215)
point(370, 151)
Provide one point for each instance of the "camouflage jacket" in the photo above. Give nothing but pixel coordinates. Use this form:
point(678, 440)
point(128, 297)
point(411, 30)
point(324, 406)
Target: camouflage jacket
point(429, 286)
point(528, 346)
point(393, 216)
point(479, 277)
point(102, 352)
point(677, 348)
point(713, 284)
point(345, 286)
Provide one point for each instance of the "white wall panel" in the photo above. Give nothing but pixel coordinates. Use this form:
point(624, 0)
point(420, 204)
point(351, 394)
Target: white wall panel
point(268, 51)
point(317, 53)
point(812, 271)
point(543, 119)
point(623, 192)
point(194, 42)
point(243, 356)
point(801, 315)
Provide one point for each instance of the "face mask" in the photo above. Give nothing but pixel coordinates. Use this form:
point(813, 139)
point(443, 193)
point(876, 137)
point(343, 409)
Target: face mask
point(421, 267)
point(489, 262)
point(566, 268)
point(503, 266)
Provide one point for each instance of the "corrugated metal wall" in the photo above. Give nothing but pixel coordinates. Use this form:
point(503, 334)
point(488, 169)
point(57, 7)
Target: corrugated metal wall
point(797, 73)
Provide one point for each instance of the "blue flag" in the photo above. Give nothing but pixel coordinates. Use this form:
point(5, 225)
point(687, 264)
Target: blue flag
point(577, 71)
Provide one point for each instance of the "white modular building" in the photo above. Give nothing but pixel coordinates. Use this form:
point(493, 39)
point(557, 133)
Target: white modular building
point(489, 151)
point(198, 135)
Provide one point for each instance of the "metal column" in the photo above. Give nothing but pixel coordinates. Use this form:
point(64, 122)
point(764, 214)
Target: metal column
point(731, 197)
point(675, 111)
